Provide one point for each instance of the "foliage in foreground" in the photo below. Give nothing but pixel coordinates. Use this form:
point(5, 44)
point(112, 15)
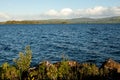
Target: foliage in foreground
point(24, 60)
point(64, 70)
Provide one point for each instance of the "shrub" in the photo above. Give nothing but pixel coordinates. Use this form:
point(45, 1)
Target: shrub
point(24, 60)
point(9, 72)
point(88, 70)
point(52, 72)
point(4, 69)
point(42, 71)
point(63, 70)
point(33, 75)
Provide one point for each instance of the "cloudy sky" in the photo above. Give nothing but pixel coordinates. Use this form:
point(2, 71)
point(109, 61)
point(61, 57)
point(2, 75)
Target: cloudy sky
point(54, 9)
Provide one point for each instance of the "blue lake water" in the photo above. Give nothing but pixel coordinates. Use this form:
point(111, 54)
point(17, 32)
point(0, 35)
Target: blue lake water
point(81, 42)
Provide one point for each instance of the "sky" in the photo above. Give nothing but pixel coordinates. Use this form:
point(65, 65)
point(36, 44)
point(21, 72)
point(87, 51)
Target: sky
point(57, 9)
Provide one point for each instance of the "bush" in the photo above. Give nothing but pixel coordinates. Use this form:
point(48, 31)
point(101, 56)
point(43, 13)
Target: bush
point(24, 60)
point(88, 70)
point(63, 70)
point(33, 75)
point(52, 72)
point(9, 72)
point(42, 71)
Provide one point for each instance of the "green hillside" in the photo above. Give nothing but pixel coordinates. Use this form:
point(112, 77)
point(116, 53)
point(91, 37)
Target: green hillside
point(68, 21)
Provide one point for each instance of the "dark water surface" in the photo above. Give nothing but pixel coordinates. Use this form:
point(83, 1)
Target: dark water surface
point(81, 42)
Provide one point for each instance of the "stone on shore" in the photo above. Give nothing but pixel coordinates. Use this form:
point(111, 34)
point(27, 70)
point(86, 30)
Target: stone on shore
point(111, 65)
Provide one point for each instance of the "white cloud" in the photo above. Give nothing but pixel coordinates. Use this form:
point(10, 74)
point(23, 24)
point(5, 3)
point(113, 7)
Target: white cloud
point(96, 12)
point(4, 17)
point(116, 10)
point(52, 12)
point(66, 11)
point(63, 13)
point(90, 12)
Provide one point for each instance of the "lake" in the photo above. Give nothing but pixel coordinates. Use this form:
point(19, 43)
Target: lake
point(80, 42)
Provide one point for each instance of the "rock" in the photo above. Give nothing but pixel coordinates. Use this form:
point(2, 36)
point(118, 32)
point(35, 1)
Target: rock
point(57, 64)
point(45, 63)
point(111, 65)
point(31, 69)
point(72, 63)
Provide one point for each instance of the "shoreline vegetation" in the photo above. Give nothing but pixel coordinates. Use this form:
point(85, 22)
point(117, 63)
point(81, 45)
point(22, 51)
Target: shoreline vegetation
point(107, 20)
point(63, 70)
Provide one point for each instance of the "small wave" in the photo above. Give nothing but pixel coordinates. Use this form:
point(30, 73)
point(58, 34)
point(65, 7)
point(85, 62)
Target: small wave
point(91, 61)
point(117, 53)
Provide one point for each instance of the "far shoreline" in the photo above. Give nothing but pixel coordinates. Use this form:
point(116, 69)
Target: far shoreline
point(106, 20)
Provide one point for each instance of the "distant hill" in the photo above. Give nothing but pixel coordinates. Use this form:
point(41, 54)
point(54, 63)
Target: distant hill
point(99, 20)
point(68, 21)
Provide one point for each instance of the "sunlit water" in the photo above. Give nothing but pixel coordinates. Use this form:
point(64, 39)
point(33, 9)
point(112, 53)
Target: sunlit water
point(81, 42)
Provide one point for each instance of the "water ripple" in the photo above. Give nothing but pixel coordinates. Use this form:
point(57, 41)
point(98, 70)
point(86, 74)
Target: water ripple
point(81, 42)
